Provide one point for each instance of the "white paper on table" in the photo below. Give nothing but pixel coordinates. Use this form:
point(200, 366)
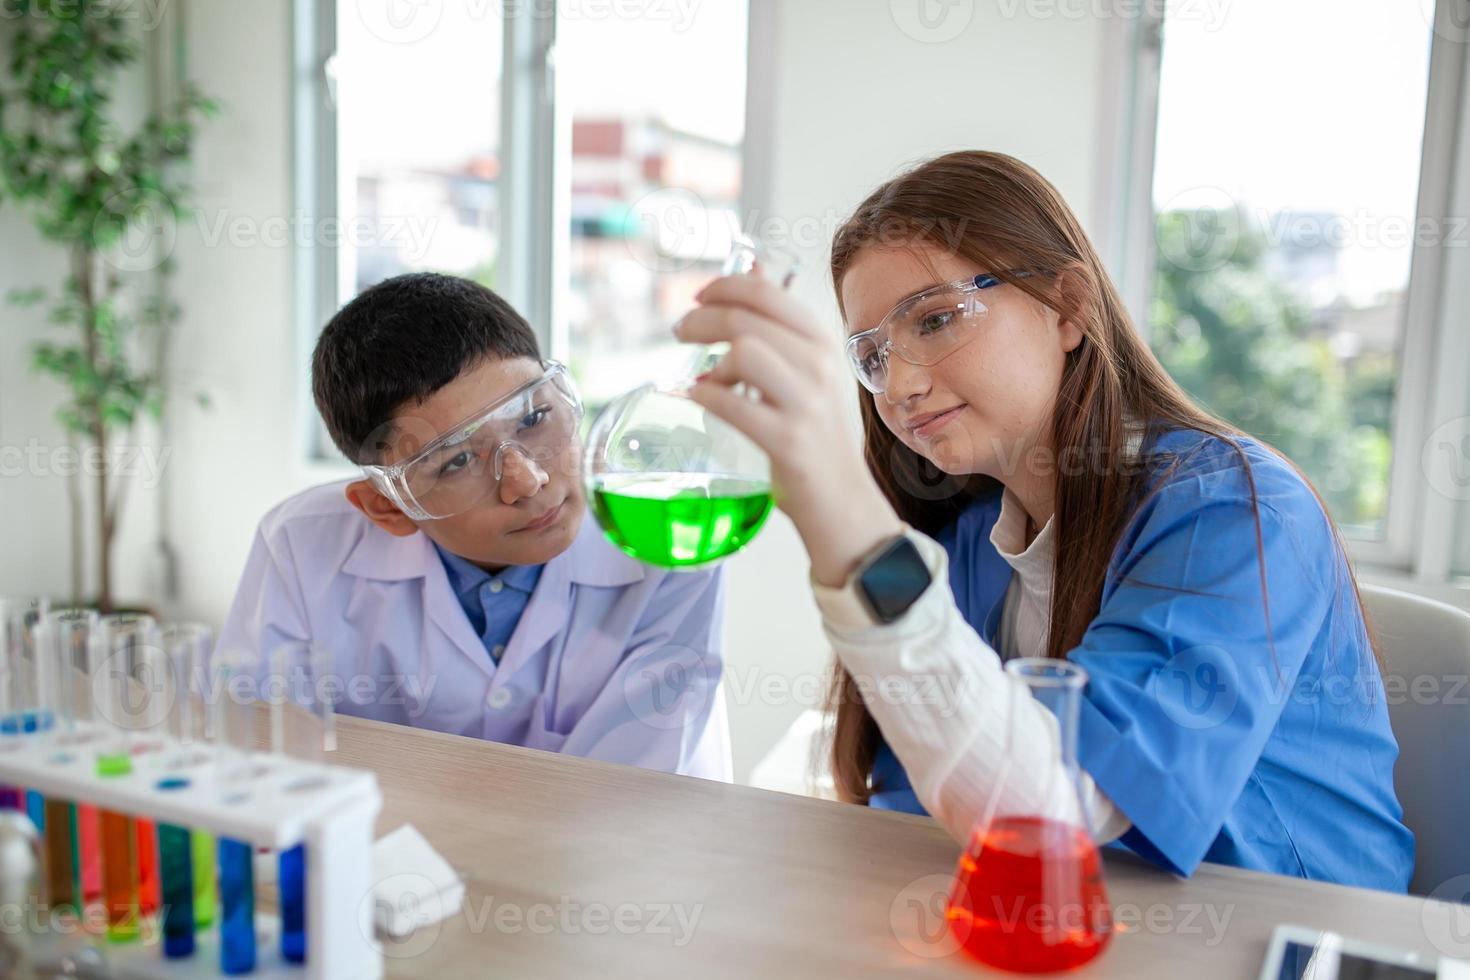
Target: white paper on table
point(415, 886)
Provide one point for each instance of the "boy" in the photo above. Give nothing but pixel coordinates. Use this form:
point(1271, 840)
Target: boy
point(458, 586)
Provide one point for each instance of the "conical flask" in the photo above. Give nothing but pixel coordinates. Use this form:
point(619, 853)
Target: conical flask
point(1028, 894)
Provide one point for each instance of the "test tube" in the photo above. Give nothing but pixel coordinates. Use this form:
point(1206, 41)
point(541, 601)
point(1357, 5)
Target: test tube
point(206, 881)
point(57, 639)
point(299, 669)
point(188, 646)
point(187, 882)
point(11, 797)
point(125, 637)
point(237, 917)
point(119, 712)
point(36, 808)
point(78, 631)
point(55, 818)
point(143, 714)
point(291, 875)
point(71, 637)
point(234, 728)
point(19, 617)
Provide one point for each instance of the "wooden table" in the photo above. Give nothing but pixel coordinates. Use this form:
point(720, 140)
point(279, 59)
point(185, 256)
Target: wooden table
point(580, 869)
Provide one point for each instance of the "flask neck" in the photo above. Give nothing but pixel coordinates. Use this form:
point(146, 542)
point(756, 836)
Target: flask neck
point(1057, 685)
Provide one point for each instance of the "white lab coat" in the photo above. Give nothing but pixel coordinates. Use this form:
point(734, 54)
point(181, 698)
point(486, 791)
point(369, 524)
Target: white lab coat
point(611, 660)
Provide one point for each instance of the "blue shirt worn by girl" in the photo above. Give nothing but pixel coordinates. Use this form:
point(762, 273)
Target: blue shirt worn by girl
point(1218, 742)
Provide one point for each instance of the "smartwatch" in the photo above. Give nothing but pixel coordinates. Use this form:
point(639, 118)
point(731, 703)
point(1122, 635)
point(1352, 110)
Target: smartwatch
point(891, 579)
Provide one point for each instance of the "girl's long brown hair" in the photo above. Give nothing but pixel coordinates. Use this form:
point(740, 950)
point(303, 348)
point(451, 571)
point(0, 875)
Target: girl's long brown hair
point(1002, 215)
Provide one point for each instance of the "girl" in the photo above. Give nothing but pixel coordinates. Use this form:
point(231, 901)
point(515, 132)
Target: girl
point(1033, 483)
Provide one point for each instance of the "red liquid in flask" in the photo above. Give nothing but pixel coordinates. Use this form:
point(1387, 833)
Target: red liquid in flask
point(1029, 896)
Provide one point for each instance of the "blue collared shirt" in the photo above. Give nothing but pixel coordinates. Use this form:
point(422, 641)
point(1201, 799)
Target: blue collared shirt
point(493, 602)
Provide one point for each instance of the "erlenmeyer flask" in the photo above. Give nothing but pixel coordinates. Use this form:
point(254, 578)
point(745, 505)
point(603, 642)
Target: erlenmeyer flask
point(671, 483)
point(1028, 894)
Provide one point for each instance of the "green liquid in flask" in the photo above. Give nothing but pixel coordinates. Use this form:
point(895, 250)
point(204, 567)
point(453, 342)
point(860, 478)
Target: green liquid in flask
point(680, 520)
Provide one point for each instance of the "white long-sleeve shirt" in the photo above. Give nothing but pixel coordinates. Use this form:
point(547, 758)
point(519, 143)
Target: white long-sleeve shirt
point(1025, 624)
point(943, 701)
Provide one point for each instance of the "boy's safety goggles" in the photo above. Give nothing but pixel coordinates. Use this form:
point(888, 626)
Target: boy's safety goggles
point(457, 469)
point(923, 329)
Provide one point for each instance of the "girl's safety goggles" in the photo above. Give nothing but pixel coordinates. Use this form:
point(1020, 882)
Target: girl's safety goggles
point(923, 329)
point(459, 468)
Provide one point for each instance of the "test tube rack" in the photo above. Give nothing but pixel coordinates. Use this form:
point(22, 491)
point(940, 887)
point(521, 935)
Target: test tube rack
point(283, 802)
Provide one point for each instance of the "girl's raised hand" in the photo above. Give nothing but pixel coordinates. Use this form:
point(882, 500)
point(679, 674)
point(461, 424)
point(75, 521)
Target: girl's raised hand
point(778, 348)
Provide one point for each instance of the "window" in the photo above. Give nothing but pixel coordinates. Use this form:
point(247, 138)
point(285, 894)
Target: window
point(1287, 170)
point(655, 181)
point(1283, 205)
point(418, 123)
point(422, 153)
point(396, 116)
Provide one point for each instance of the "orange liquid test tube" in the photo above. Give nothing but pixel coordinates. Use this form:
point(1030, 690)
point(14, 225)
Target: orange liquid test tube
point(119, 839)
point(149, 887)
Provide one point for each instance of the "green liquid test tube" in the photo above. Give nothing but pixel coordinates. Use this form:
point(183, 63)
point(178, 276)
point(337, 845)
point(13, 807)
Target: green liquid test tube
point(206, 894)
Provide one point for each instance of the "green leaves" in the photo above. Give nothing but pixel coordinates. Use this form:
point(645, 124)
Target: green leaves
point(88, 186)
point(25, 297)
point(104, 382)
point(1252, 351)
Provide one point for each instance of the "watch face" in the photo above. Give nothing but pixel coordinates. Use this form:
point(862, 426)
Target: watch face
point(894, 580)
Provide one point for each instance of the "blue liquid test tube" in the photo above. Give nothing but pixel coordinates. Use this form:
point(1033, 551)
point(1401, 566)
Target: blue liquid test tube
point(237, 899)
point(233, 724)
point(293, 904)
point(184, 647)
point(298, 668)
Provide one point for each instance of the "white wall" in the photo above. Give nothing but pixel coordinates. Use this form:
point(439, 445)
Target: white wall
point(33, 498)
point(240, 345)
point(856, 97)
point(37, 460)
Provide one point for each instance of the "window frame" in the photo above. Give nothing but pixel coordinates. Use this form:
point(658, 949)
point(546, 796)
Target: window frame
point(534, 201)
point(1414, 549)
point(533, 236)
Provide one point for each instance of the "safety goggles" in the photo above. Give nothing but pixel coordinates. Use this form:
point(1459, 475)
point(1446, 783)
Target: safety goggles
point(459, 468)
point(923, 329)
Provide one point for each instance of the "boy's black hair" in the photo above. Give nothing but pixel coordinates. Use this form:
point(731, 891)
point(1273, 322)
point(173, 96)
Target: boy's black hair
point(399, 342)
